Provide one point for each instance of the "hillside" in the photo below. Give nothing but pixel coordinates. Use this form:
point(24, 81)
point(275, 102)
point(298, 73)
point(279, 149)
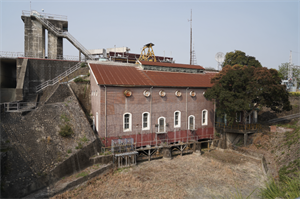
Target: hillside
point(41, 141)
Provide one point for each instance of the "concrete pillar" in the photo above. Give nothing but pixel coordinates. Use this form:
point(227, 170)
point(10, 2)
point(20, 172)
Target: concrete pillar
point(79, 56)
point(34, 38)
point(245, 138)
point(55, 46)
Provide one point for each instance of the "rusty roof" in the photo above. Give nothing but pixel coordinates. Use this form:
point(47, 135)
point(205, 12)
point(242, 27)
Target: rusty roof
point(165, 64)
point(118, 75)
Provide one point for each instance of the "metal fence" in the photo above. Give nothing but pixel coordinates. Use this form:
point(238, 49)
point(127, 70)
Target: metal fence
point(238, 126)
point(3, 163)
point(27, 13)
point(19, 106)
point(6, 54)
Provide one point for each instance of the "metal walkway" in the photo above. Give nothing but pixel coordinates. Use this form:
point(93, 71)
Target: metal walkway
point(60, 33)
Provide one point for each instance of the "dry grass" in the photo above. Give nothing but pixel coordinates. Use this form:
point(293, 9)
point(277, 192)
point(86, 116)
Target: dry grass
point(212, 175)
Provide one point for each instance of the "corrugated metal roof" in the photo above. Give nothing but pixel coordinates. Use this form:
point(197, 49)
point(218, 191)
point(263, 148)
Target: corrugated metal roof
point(133, 76)
point(149, 63)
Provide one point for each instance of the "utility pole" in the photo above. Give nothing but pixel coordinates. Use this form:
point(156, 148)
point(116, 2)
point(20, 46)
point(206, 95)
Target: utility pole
point(191, 39)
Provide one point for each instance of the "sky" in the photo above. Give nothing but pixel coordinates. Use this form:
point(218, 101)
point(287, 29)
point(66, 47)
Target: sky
point(265, 29)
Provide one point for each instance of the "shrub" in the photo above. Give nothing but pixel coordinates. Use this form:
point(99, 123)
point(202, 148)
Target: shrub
point(79, 146)
point(84, 139)
point(66, 131)
point(69, 151)
point(295, 93)
point(83, 64)
point(80, 79)
point(64, 117)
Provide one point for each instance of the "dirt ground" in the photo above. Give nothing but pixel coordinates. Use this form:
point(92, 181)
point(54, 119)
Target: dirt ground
point(215, 174)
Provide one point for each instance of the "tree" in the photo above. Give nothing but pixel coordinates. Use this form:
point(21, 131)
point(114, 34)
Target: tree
point(239, 57)
point(243, 88)
point(284, 69)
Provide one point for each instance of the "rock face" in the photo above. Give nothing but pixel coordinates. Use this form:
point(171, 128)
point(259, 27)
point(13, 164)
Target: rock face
point(36, 147)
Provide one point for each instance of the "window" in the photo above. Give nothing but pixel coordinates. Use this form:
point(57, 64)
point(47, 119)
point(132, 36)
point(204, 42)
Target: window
point(161, 125)
point(127, 122)
point(204, 117)
point(146, 121)
point(238, 117)
point(248, 120)
point(191, 122)
point(177, 119)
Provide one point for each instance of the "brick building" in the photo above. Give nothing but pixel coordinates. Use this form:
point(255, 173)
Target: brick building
point(151, 102)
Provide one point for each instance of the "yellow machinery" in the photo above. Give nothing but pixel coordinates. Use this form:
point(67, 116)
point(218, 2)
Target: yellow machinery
point(149, 56)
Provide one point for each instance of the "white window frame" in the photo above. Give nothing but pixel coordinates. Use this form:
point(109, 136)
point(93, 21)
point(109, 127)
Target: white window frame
point(97, 121)
point(179, 119)
point(130, 122)
point(189, 124)
point(148, 121)
point(206, 117)
point(159, 125)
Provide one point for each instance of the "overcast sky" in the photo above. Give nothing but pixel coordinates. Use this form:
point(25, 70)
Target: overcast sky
point(267, 30)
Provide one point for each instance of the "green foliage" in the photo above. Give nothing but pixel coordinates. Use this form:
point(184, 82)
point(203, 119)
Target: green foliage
point(64, 117)
point(240, 58)
point(290, 170)
point(295, 94)
point(66, 131)
point(82, 174)
point(80, 79)
point(84, 139)
point(289, 188)
point(241, 88)
point(284, 69)
point(83, 64)
point(69, 151)
point(79, 146)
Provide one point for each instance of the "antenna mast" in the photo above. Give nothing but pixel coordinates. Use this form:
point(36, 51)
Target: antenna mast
point(290, 70)
point(191, 40)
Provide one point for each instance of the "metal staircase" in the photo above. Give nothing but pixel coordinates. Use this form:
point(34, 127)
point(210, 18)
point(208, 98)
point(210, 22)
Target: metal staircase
point(58, 78)
point(60, 33)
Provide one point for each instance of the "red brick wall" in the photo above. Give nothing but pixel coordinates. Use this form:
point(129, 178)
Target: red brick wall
point(118, 104)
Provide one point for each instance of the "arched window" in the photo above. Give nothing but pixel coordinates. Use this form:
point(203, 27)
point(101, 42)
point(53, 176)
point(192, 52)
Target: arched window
point(204, 117)
point(191, 122)
point(127, 122)
point(177, 119)
point(145, 121)
point(161, 125)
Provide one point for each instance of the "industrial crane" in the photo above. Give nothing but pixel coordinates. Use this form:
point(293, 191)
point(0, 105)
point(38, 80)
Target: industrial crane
point(149, 56)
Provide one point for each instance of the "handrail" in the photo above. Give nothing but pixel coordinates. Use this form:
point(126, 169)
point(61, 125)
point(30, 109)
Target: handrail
point(51, 82)
point(61, 33)
point(46, 15)
point(238, 126)
point(7, 54)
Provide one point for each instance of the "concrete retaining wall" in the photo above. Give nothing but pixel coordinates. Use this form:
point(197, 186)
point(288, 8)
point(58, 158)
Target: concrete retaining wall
point(41, 70)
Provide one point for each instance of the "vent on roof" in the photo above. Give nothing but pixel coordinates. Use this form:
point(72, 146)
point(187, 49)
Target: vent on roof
point(178, 93)
point(162, 93)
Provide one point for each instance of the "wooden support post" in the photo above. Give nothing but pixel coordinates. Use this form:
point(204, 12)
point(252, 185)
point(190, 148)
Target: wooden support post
point(181, 149)
point(245, 139)
point(208, 146)
point(194, 146)
point(149, 155)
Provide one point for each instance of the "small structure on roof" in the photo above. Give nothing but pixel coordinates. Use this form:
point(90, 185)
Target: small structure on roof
point(149, 56)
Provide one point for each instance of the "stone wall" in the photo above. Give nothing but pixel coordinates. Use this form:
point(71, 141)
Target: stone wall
point(37, 148)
